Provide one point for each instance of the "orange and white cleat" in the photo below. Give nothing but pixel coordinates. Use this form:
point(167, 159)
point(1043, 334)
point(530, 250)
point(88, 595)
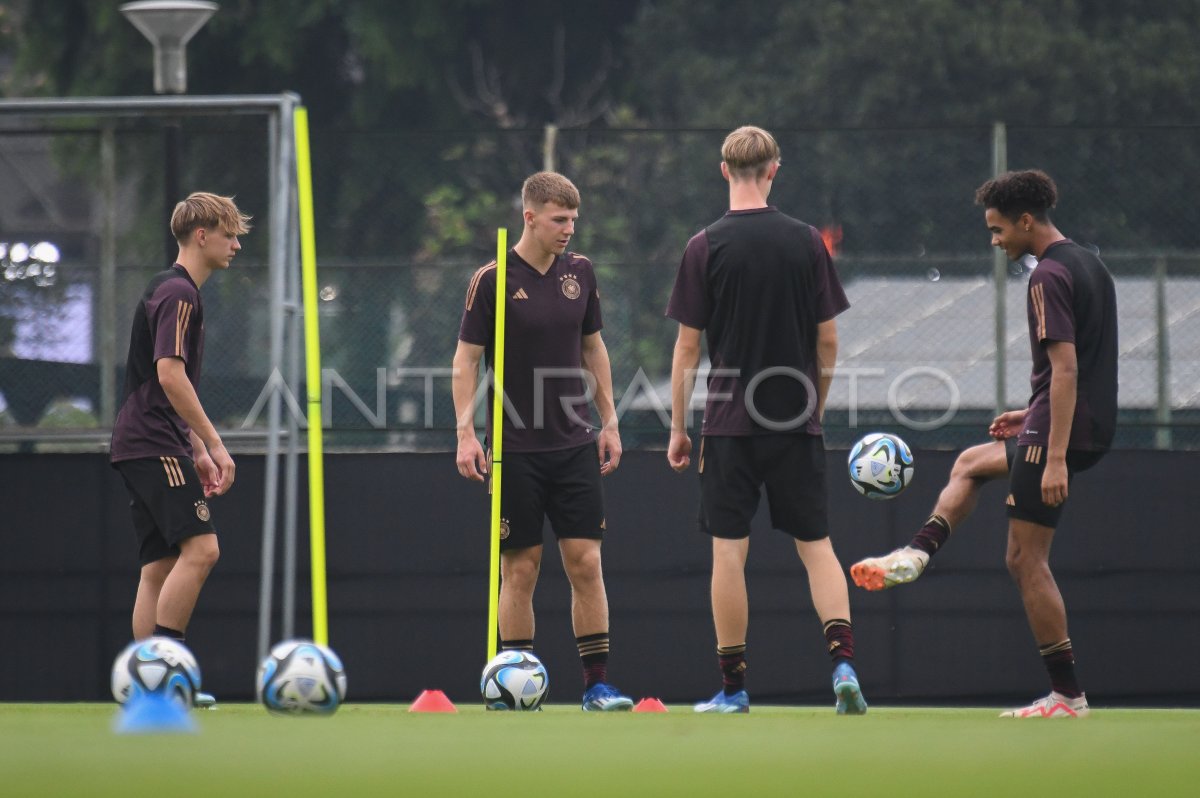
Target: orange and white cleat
point(900, 567)
point(1055, 705)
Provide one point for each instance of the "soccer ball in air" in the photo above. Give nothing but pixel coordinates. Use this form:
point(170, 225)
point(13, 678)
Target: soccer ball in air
point(300, 677)
point(156, 666)
point(514, 680)
point(881, 466)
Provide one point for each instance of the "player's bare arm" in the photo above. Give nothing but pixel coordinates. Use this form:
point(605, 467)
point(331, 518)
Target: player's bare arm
point(827, 347)
point(683, 379)
point(595, 361)
point(471, 459)
point(182, 396)
point(1064, 377)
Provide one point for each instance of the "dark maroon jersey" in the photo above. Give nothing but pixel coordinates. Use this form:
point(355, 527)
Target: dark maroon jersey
point(168, 322)
point(758, 282)
point(546, 317)
point(1071, 298)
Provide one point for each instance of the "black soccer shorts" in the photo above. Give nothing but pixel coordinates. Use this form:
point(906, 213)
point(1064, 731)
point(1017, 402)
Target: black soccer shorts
point(1026, 465)
point(733, 470)
point(167, 502)
point(562, 485)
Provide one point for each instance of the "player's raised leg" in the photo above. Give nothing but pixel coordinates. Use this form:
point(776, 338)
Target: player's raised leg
point(973, 468)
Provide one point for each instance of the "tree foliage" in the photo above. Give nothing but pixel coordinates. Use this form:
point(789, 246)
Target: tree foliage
point(426, 116)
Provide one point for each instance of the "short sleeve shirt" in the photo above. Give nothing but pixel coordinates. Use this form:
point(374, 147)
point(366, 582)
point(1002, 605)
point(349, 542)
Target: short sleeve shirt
point(758, 283)
point(546, 317)
point(1072, 298)
point(168, 322)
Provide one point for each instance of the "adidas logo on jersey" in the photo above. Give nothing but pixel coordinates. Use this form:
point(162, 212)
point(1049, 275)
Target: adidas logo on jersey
point(520, 294)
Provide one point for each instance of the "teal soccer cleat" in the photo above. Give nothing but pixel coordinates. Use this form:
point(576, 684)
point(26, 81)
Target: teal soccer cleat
point(850, 699)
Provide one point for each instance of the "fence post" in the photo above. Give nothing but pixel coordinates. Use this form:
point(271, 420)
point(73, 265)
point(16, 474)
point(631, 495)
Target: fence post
point(106, 299)
point(1000, 275)
point(1162, 435)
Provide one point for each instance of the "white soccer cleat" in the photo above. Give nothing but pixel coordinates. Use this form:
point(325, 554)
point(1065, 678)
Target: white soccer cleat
point(898, 568)
point(1055, 705)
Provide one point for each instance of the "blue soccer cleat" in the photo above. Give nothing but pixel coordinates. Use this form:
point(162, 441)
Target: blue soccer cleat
point(204, 700)
point(603, 697)
point(850, 699)
point(738, 702)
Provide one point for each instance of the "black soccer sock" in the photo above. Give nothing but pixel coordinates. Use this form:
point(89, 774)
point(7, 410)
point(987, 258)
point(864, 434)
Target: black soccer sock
point(517, 645)
point(166, 631)
point(932, 536)
point(1059, 659)
point(593, 654)
point(839, 636)
point(733, 667)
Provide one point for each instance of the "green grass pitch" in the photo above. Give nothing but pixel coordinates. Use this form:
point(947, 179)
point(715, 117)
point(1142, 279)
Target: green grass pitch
point(70, 749)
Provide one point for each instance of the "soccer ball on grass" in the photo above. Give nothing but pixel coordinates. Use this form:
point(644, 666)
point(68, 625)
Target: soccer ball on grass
point(514, 680)
point(300, 677)
point(156, 666)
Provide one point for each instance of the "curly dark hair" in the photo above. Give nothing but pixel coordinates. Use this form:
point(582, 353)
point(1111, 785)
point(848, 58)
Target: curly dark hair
point(1014, 193)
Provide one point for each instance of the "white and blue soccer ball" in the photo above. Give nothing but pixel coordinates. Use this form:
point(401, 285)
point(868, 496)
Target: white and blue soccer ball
point(881, 466)
point(514, 680)
point(300, 677)
point(156, 666)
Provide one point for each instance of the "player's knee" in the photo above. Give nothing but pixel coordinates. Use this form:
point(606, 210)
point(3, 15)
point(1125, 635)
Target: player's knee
point(202, 552)
point(521, 573)
point(985, 461)
point(156, 572)
point(1021, 564)
point(583, 564)
point(1012, 561)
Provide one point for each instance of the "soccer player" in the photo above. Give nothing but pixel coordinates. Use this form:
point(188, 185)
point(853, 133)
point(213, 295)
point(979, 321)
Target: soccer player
point(163, 445)
point(1066, 428)
point(763, 288)
point(553, 455)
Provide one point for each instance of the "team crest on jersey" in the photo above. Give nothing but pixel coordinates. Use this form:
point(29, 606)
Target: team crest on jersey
point(202, 511)
point(504, 530)
point(570, 286)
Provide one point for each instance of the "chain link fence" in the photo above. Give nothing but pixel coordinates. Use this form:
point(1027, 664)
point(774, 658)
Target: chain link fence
point(404, 219)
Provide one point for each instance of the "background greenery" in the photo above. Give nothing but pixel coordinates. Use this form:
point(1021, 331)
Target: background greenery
point(427, 115)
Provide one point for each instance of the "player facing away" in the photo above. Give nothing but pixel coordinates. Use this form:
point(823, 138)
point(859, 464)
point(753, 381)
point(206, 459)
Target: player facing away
point(554, 457)
point(762, 287)
point(163, 444)
point(1066, 428)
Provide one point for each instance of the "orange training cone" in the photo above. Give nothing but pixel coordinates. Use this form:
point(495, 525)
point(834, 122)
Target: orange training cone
point(650, 705)
point(432, 701)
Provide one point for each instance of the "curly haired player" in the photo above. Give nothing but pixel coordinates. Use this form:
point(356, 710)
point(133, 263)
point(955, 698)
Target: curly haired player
point(1066, 428)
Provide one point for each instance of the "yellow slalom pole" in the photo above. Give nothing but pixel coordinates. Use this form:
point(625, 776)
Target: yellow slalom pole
point(312, 359)
point(497, 439)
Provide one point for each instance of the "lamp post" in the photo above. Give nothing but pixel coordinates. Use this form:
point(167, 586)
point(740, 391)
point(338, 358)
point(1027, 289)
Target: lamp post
point(169, 25)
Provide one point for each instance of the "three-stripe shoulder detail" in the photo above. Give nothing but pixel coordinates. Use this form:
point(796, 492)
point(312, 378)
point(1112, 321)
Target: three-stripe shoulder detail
point(475, 279)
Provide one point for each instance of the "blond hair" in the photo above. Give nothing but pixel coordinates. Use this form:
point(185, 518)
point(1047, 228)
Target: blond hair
point(544, 187)
point(749, 151)
point(204, 210)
